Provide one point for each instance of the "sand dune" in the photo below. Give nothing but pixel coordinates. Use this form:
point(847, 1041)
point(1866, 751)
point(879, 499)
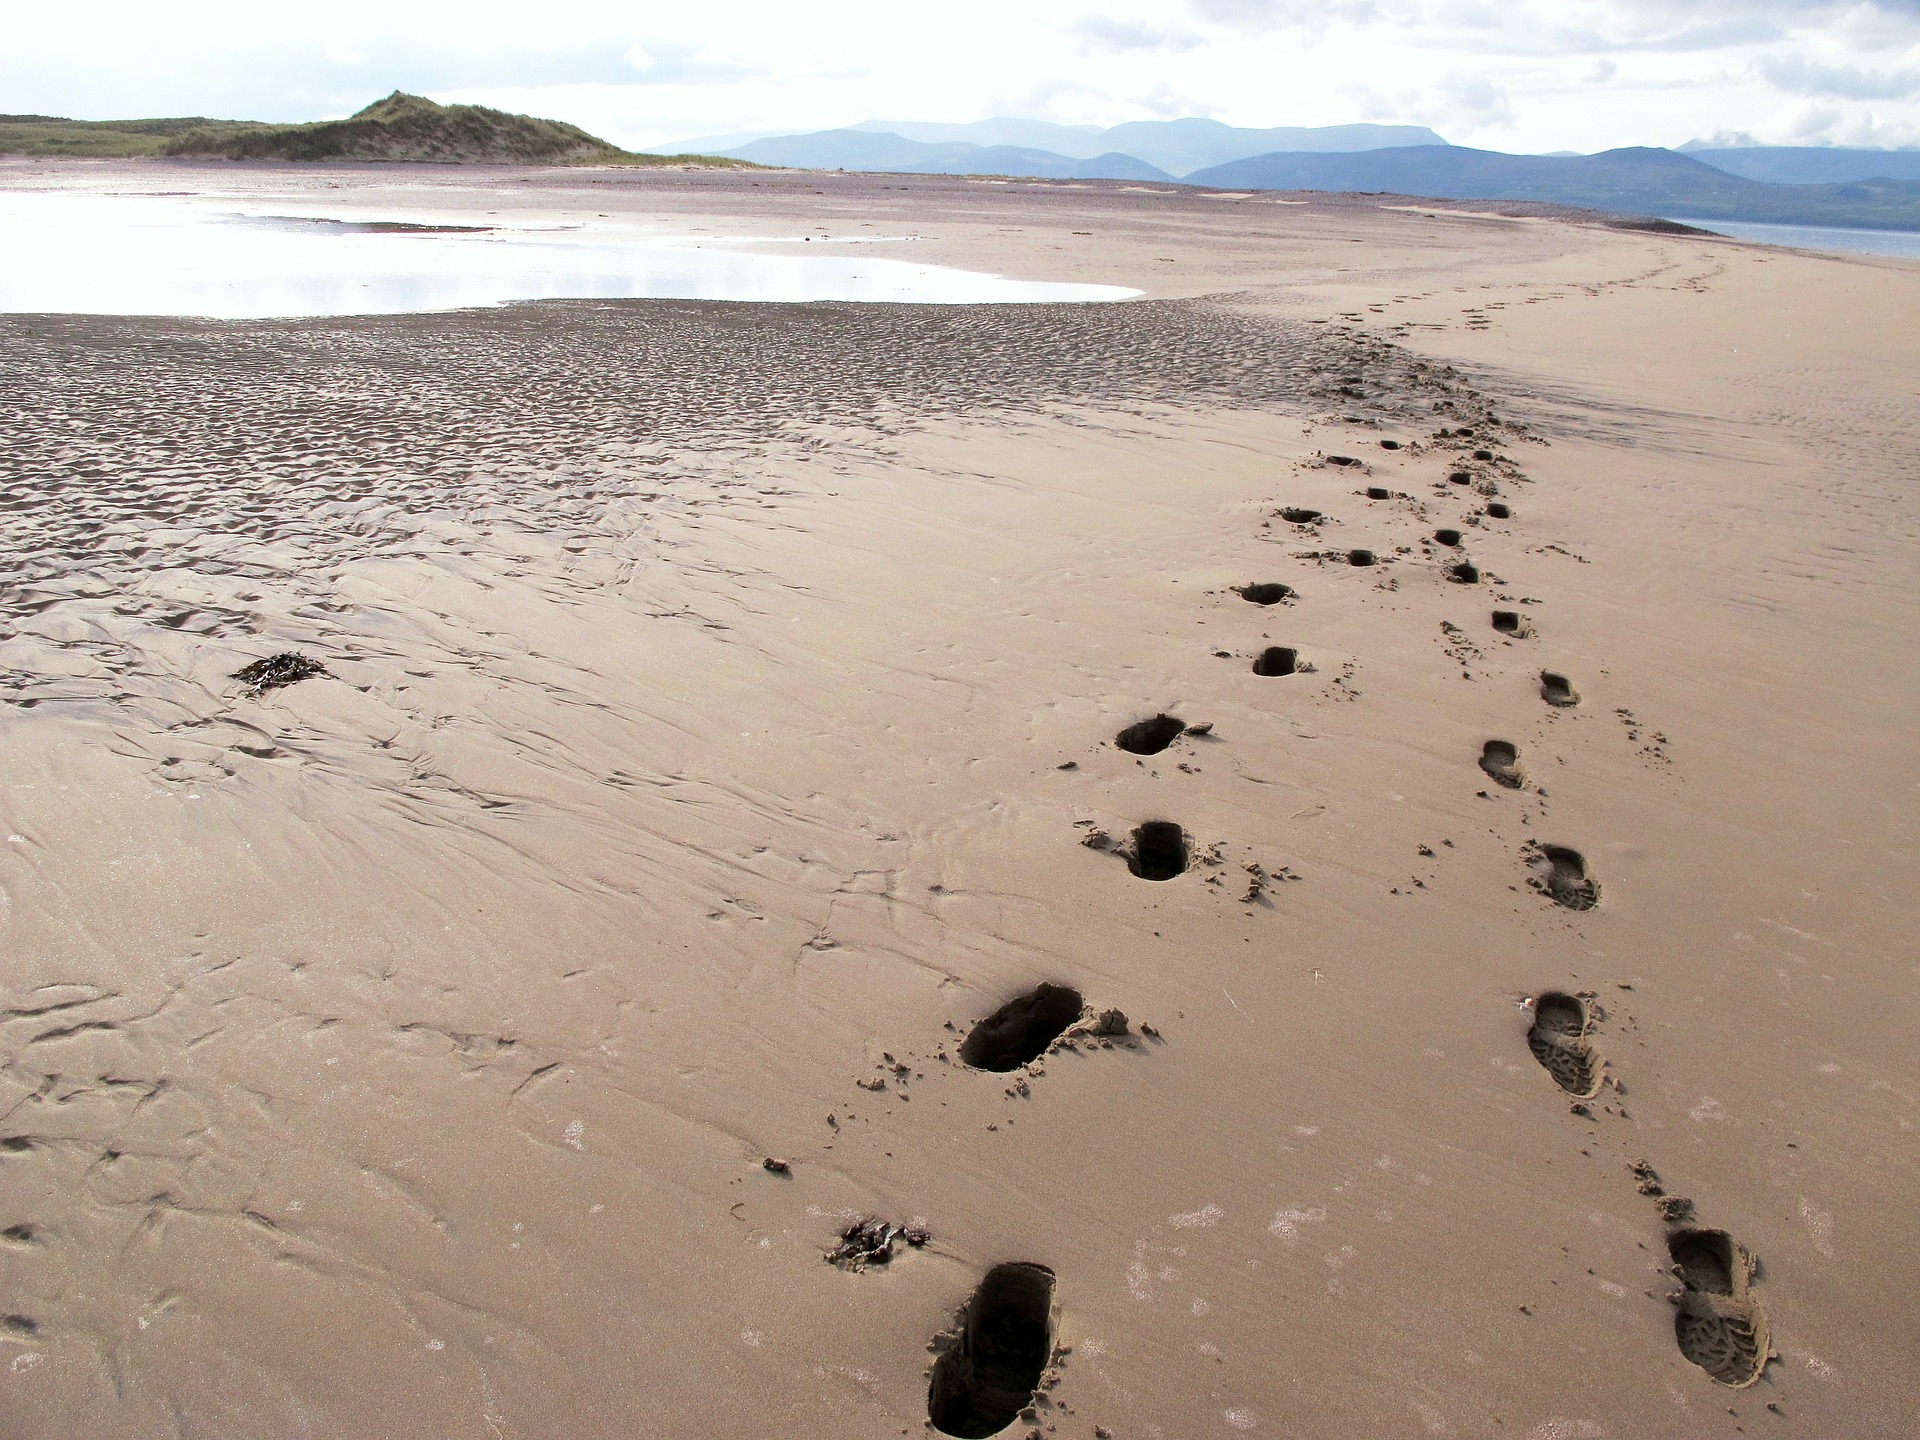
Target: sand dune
point(718, 724)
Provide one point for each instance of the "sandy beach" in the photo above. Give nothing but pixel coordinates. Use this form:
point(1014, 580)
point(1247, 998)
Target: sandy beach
point(492, 1036)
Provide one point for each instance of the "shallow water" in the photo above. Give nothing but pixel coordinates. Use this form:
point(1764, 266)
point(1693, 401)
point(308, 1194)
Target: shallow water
point(1904, 243)
point(165, 255)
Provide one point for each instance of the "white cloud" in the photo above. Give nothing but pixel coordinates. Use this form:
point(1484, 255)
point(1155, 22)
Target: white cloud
point(1509, 74)
point(1799, 75)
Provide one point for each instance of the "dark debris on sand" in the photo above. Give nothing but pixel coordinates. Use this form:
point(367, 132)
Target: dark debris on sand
point(289, 667)
point(871, 1241)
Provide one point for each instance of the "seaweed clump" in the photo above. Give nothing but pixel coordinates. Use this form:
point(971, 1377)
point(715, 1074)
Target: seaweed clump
point(871, 1241)
point(289, 667)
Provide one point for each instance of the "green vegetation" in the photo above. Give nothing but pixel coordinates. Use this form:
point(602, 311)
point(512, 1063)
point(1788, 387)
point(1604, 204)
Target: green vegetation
point(400, 127)
point(51, 135)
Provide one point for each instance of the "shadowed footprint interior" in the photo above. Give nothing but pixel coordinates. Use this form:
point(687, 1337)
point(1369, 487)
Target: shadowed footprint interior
point(1360, 557)
point(1159, 851)
point(1562, 873)
point(1150, 737)
point(1499, 510)
point(1507, 622)
point(1021, 1030)
point(1465, 573)
point(1720, 1325)
point(1558, 1040)
point(1379, 492)
point(989, 1375)
point(1276, 660)
point(1447, 537)
point(1557, 690)
point(1299, 515)
point(1501, 760)
point(1266, 594)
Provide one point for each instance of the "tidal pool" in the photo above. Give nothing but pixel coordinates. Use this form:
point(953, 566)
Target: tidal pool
point(64, 253)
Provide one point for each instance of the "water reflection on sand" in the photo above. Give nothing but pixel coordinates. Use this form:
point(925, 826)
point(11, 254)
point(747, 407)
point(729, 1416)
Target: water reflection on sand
point(167, 255)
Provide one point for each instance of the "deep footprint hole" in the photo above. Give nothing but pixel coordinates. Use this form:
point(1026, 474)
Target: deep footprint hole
point(1705, 1260)
point(1499, 511)
point(1277, 660)
point(981, 1385)
point(1501, 760)
point(1267, 593)
point(1299, 515)
point(1159, 851)
point(1360, 557)
point(1507, 622)
point(1557, 689)
point(1447, 537)
point(1558, 1041)
point(1379, 492)
point(1560, 1015)
point(1718, 1325)
point(1465, 573)
point(1150, 737)
point(1567, 880)
point(1020, 1031)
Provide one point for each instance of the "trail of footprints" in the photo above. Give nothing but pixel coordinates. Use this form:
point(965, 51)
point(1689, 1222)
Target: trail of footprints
point(995, 1360)
point(1720, 1322)
point(993, 1365)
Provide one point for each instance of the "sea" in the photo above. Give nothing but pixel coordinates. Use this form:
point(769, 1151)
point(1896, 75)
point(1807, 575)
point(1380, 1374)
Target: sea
point(1904, 243)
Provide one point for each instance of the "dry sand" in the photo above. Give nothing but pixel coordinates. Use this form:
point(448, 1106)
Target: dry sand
point(717, 701)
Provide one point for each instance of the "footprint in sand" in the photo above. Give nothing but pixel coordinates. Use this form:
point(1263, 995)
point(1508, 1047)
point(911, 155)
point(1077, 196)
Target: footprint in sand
point(1499, 510)
point(1559, 1042)
point(1299, 515)
point(991, 1368)
point(1562, 874)
point(1501, 760)
point(1360, 557)
point(1557, 690)
point(1464, 573)
point(1150, 737)
point(1276, 660)
point(1159, 850)
point(1508, 622)
point(1447, 537)
point(1021, 1030)
point(1268, 594)
point(1721, 1325)
point(1379, 492)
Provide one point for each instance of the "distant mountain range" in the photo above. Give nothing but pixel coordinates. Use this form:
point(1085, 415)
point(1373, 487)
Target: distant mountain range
point(1810, 164)
point(1175, 146)
point(1784, 185)
point(400, 127)
point(1638, 181)
point(874, 150)
point(1166, 149)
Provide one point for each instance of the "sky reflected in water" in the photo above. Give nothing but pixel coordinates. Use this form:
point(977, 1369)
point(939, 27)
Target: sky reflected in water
point(158, 255)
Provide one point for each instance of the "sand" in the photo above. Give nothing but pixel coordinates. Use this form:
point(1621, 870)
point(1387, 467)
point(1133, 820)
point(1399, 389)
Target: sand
point(718, 724)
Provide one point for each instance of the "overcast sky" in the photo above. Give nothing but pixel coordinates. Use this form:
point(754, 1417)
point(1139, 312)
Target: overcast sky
point(1502, 74)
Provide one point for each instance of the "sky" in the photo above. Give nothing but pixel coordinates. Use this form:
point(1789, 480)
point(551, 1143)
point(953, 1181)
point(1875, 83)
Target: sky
point(1523, 75)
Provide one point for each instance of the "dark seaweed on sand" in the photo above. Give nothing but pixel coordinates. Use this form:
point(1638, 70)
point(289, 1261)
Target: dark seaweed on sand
point(870, 1242)
point(287, 668)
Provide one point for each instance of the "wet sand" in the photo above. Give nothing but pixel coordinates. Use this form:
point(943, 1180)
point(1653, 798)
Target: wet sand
point(719, 724)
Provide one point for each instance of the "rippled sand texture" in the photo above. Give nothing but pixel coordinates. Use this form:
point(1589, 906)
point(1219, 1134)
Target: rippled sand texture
point(719, 722)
